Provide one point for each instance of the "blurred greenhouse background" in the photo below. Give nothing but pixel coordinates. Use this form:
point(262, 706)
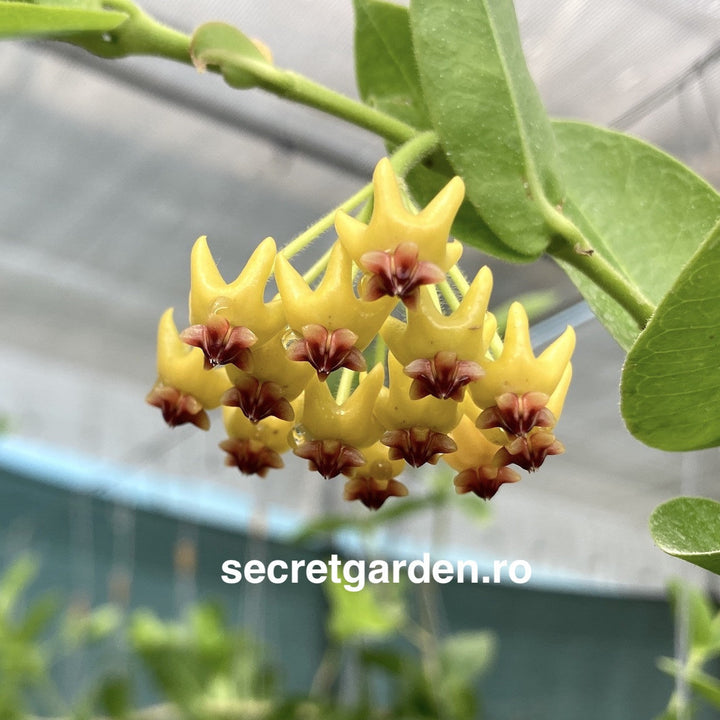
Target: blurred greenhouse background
point(111, 170)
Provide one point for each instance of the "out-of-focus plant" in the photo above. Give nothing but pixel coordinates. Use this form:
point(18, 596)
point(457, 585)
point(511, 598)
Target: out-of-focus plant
point(380, 663)
point(35, 635)
point(697, 682)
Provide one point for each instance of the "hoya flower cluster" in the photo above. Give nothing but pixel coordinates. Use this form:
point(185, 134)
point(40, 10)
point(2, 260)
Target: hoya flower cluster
point(422, 372)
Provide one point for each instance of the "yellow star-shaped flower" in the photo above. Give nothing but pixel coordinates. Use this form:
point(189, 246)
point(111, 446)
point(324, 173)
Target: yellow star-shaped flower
point(517, 370)
point(255, 448)
point(353, 422)
point(184, 389)
point(240, 302)
point(396, 410)
point(400, 251)
point(392, 223)
point(333, 326)
point(442, 353)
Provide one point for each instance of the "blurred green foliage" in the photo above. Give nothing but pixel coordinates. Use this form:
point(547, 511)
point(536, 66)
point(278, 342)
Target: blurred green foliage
point(697, 684)
point(380, 662)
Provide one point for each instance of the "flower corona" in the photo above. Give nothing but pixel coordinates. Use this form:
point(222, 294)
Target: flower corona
point(380, 365)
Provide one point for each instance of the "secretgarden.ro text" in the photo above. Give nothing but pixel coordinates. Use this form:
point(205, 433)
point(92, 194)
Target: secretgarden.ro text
point(354, 574)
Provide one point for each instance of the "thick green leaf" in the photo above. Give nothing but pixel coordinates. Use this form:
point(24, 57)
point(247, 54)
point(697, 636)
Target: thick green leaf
point(19, 19)
point(386, 73)
point(488, 114)
point(689, 528)
point(224, 46)
point(642, 210)
point(388, 79)
point(670, 390)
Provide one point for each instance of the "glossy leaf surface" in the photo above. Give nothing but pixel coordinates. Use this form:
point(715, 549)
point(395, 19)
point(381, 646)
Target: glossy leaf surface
point(689, 528)
point(670, 390)
point(642, 211)
point(486, 109)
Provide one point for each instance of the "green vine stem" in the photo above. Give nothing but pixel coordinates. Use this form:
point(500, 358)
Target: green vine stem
point(605, 276)
point(569, 244)
point(142, 35)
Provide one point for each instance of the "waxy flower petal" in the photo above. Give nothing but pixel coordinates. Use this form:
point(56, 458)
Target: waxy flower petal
point(473, 448)
point(372, 492)
point(241, 302)
point(353, 422)
point(182, 367)
point(333, 305)
point(392, 224)
point(467, 331)
point(271, 364)
point(517, 370)
point(255, 448)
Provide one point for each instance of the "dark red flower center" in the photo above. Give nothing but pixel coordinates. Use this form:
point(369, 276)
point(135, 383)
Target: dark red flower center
point(251, 457)
point(330, 457)
point(258, 400)
point(443, 376)
point(327, 351)
point(398, 273)
point(518, 415)
point(221, 343)
point(178, 408)
point(484, 481)
point(417, 445)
